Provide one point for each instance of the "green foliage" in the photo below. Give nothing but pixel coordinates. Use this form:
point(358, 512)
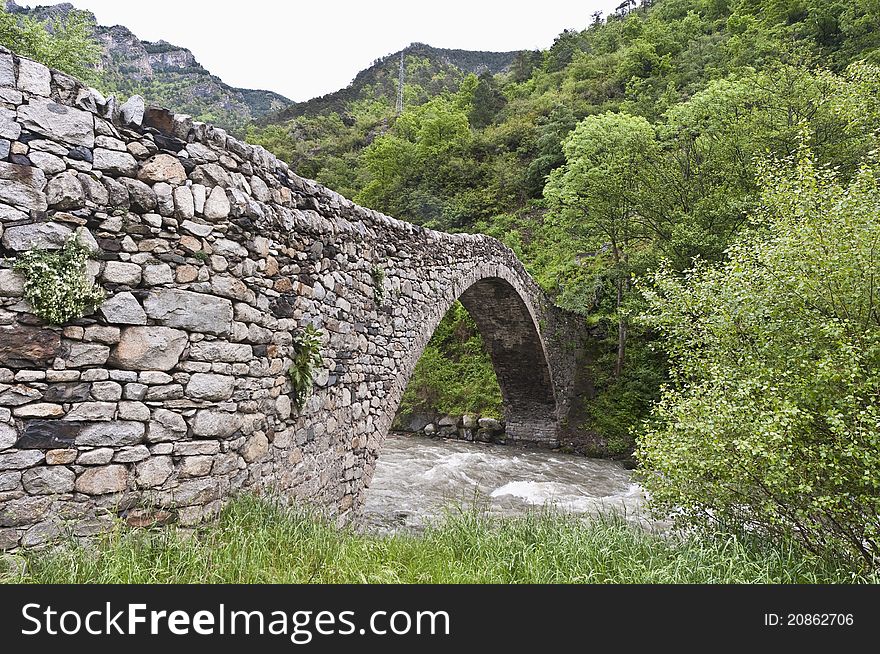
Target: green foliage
point(455, 374)
point(772, 420)
point(277, 139)
point(486, 103)
point(56, 283)
point(598, 195)
point(306, 360)
point(411, 168)
point(66, 43)
point(377, 274)
point(259, 541)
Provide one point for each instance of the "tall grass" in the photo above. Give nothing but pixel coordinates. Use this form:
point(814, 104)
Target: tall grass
point(257, 541)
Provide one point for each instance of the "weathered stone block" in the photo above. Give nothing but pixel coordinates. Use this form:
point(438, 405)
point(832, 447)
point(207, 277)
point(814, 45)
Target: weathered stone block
point(78, 355)
point(43, 532)
point(196, 312)
point(47, 162)
point(95, 192)
point(210, 387)
point(18, 395)
point(9, 129)
point(20, 460)
point(162, 168)
point(24, 511)
point(131, 454)
point(120, 272)
point(195, 466)
point(123, 309)
point(54, 480)
point(48, 434)
point(47, 236)
point(217, 205)
point(197, 491)
point(255, 448)
point(227, 286)
point(8, 436)
point(65, 192)
point(184, 206)
point(166, 426)
point(39, 410)
point(225, 352)
point(92, 411)
point(115, 163)
point(61, 457)
point(103, 480)
point(107, 391)
point(132, 110)
point(102, 334)
point(116, 433)
point(7, 70)
point(154, 471)
point(34, 77)
point(140, 196)
point(164, 198)
point(149, 348)
point(212, 423)
point(97, 457)
point(58, 122)
point(193, 448)
point(157, 274)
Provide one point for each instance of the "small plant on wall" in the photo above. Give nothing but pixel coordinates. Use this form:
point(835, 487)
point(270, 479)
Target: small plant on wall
point(56, 283)
point(306, 360)
point(378, 275)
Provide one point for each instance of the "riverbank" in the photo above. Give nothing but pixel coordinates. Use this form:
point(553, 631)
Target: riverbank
point(257, 541)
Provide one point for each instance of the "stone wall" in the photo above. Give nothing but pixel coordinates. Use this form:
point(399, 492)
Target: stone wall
point(173, 394)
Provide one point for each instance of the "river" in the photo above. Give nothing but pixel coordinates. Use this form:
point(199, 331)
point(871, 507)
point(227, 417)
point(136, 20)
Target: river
point(418, 477)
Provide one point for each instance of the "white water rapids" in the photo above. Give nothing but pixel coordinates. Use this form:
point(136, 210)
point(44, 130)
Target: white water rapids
point(417, 478)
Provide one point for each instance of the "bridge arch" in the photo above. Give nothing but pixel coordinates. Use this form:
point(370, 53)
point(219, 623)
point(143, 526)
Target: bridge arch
point(506, 318)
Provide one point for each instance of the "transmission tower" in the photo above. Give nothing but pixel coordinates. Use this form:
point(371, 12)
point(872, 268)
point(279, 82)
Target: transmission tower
point(400, 87)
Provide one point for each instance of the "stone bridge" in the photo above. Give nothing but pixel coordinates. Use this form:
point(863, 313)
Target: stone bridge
point(173, 394)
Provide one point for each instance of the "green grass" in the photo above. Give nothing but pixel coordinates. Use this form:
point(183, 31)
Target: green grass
point(256, 541)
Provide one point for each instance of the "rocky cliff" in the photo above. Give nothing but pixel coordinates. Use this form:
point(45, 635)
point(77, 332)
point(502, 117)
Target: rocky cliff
point(167, 75)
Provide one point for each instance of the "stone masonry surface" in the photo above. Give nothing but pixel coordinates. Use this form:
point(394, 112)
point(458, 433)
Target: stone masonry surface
point(173, 395)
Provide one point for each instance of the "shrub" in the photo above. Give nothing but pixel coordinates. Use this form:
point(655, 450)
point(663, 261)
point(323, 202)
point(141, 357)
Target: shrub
point(772, 420)
point(306, 359)
point(377, 274)
point(56, 283)
point(66, 43)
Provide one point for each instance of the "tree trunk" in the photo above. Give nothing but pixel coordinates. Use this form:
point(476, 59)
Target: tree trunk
point(621, 331)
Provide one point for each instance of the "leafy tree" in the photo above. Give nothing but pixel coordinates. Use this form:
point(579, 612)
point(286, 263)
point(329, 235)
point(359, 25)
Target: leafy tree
point(66, 43)
point(561, 52)
point(415, 168)
point(772, 420)
point(487, 101)
point(524, 64)
point(598, 194)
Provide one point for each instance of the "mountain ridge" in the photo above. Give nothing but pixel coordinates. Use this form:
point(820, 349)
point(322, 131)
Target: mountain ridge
point(382, 74)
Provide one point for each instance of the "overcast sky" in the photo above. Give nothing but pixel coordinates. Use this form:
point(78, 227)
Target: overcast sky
point(306, 49)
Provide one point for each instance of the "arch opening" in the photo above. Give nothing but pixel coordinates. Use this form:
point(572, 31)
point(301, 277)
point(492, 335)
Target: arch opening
point(517, 352)
point(510, 334)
